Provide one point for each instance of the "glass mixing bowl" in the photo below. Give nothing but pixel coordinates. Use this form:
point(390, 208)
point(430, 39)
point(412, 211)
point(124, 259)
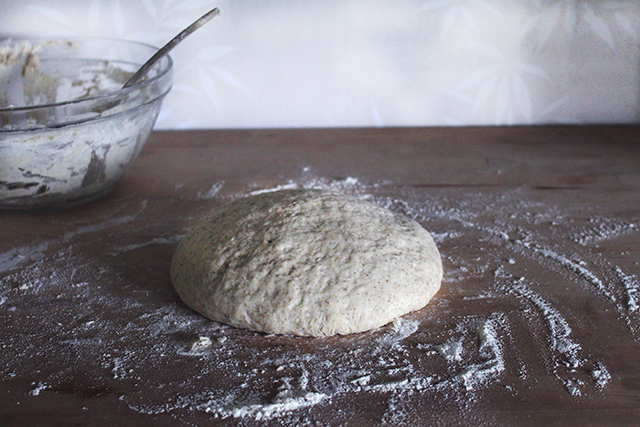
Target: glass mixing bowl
point(68, 131)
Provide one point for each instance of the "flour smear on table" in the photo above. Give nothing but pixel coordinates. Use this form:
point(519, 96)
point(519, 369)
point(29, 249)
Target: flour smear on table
point(451, 358)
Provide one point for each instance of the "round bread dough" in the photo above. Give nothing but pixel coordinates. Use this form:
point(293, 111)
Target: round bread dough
point(306, 262)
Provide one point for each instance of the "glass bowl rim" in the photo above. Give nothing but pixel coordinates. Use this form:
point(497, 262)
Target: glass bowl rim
point(108, 95)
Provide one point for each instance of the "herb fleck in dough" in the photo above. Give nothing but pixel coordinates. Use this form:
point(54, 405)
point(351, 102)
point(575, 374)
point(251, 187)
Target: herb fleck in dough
point(306, 262)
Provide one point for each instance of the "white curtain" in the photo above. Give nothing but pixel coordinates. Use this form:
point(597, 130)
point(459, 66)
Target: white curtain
point(328, 63)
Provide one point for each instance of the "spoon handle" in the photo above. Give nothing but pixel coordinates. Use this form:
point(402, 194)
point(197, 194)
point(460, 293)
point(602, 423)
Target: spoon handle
point(167, 47)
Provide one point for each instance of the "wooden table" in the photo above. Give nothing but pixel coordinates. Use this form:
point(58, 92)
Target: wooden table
point(537, 321)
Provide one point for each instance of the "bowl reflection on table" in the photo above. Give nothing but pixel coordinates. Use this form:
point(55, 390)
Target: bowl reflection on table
point(68, 131)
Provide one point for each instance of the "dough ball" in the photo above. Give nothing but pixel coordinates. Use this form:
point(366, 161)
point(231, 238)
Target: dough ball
point(306, 262)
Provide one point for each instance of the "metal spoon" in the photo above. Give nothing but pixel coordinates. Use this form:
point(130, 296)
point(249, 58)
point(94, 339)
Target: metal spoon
point(142, 71)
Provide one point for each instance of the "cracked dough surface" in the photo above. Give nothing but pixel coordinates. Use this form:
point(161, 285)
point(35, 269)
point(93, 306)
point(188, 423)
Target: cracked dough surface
point(306, 262)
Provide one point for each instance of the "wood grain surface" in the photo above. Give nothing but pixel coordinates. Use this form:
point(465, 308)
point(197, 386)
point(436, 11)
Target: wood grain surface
point(537, 321)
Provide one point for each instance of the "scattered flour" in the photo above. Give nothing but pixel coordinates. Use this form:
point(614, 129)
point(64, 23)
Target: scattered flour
point(559, 330)
point(38, 387)
point(200, 345)
point(289, 186)
point(210, 193)
point(286, 400)
point(600, 229)
point(400, 329)
point(478, 374)
point(452, 350)
point(461, 351)
point(16, 257)
point(632, 289)
point(601, 375)
point(349, 185)
point(170, 240)
point(575, 267)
